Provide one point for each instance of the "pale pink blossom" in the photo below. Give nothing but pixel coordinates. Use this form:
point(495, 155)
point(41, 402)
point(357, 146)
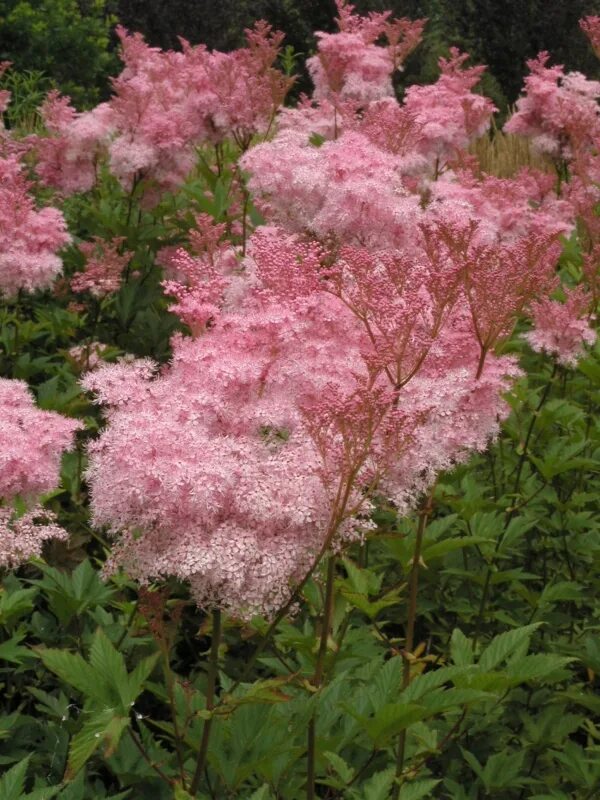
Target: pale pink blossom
point(351, 65)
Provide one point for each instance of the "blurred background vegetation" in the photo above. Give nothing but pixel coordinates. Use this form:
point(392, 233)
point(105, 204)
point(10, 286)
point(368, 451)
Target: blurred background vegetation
point(71, 42)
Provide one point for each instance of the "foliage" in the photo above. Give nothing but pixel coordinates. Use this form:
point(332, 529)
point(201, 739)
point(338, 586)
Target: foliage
point(66, 40)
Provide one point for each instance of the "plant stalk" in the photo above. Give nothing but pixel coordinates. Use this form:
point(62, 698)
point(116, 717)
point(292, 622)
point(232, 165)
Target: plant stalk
point(213, 667)
point(317, 679)
point(409, 643)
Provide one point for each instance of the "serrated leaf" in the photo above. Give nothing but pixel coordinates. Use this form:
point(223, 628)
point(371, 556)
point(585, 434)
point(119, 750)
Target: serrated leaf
point(103, 729)
point(345, 772)
point(536, 667)
point(417, 790)
point(392, 718)
point(73, 670)
point(12, 783)
point(504, 645)
point(378, 786)
point(461, 649)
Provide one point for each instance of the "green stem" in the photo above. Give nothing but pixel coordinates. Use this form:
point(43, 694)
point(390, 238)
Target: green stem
point(173, 708)
point(318, 677)
point(213, 668)
point(510, 513)
point(409, 642)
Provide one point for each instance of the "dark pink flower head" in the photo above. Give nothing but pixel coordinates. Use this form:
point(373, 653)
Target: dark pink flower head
point(350, 65)
point(562, 330)
point(502, 279)
point(32, 442)
point(4, 93)
point(103, 269)
point(199, 281)
point(559, 111)
point(591, 27)
point(68, 157)
point(29, 237)
point(248, 88)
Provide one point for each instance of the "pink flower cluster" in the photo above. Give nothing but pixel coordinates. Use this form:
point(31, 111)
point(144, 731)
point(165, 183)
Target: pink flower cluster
point(103, 269)
point(591, 27)
point(68, 158)
point(448, 112)
point(165, 104)
point(559, 111)
point(23, 536)
point(350, 65)
point(199, 282)
point(352, 348)
point(562, 329)
point(29, 237)
point(31, 445)
point(350, 351)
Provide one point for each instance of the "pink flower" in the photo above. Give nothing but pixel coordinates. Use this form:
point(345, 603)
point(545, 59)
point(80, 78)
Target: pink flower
point(31, 443)
point(349, 65)
point(559, 111)
point(591, 27)
point(449, 113)
point(103, 269)
point(29, 238)
point(22, 537)
point(67, 159)
point(562, 330)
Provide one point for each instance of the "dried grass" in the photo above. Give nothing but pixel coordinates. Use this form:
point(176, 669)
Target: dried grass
point(504, 154)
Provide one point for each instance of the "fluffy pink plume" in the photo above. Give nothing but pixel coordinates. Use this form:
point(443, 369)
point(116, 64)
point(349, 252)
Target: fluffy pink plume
point(559, 111)
point(346, 188)
point(449, 113)
point(199, 282)
point(350, 65)
point(67, 159)
point(31, 443)
point(562, 330)
point(29, 237)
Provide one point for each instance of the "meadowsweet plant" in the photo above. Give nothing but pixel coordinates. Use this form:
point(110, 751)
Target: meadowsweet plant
point(337, 383)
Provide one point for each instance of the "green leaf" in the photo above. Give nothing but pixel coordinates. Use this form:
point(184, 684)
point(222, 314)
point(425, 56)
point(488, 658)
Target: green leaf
point(505, 644)
point(104, 728)
point(379, 785)
point(345, 772)
point(264, 793)
point(392, 718)
point(73, 670)
point(12, 784)
point(461, 649)
point(417, 790)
